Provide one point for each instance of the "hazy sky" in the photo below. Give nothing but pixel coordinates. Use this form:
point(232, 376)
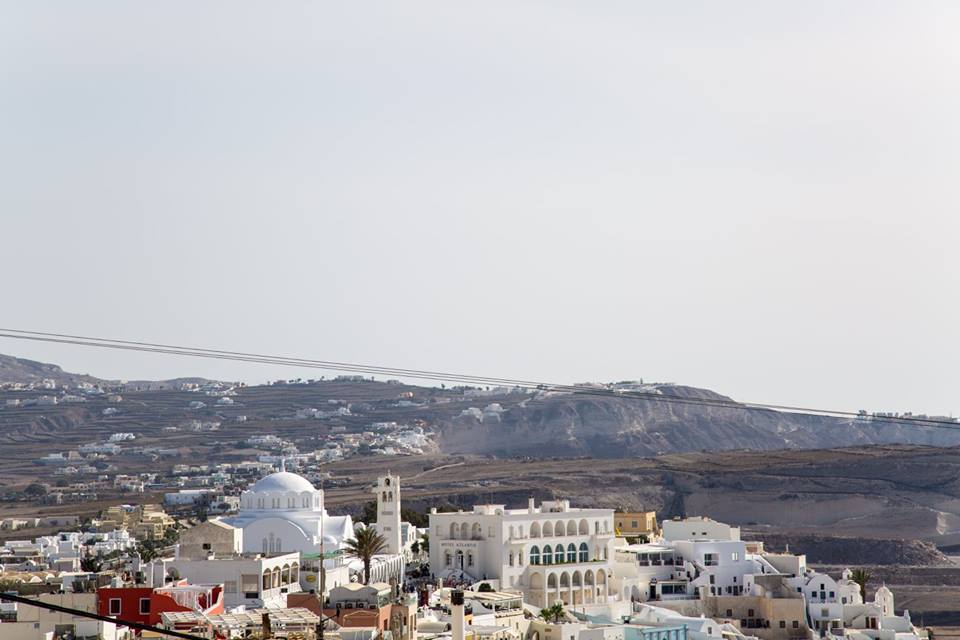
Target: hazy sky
point(756, 197)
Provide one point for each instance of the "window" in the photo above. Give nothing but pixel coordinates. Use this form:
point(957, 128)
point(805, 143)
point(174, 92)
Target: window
point(729, 613)
point(735, 556)
point(584, 552)
point(547, 554)
point(446, 558)
point(634, 524)
point(713, 579)
point(832, 594)
point(749, 613)
point(144, 606)
point(114, 606)
point(571, 553)
point(796, 624)
point(534, 554)
point(558, 555)
point(511, 558)
point(206, 546)
point(470, 559)
point(783, 624)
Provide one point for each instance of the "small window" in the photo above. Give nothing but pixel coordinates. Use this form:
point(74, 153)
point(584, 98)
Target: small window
point(114, 606)
point(783, 624)
point(206, 546)
point(796, 624)
point(729, 613)
point(144, 606)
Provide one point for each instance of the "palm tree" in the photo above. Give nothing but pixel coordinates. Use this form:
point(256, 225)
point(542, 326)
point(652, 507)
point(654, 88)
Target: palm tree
point(365, 544)
point(861, 577)
point(553, 612)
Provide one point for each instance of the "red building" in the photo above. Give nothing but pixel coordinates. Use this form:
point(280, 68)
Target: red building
point(145, 604)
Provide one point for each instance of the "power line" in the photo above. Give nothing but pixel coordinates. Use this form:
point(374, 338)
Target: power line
point(95, 616)
point(240, 356)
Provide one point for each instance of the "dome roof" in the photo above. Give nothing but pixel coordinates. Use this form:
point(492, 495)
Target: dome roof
point(282, 482)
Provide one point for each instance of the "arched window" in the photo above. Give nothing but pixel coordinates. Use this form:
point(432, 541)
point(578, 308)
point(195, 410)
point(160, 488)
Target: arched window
point(547, 554)
point(584, 552)
point(295, 572)
point(558, 554)
point(446, 559)
point(535, 530)
point(559, 529)
point(306, 501)
point(453, 530)
point(534, 554)
point(571, 553)
point(266, 579)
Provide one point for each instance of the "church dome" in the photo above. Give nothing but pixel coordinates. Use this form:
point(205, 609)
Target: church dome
point(282, 482)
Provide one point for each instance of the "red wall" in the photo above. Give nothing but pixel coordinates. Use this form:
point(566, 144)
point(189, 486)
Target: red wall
point(129, 602)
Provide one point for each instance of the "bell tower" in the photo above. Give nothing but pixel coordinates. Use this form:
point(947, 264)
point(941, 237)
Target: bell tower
point(388, 511)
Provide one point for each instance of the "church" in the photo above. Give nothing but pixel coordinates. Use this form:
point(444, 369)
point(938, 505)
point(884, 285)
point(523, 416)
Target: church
point(284, 512)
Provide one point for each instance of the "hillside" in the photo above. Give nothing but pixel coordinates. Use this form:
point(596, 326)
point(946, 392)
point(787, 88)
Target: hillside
point(20, 370)
point(500, 422)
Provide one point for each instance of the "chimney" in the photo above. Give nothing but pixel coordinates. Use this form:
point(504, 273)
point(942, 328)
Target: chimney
point(531, 505)
point(456, 605)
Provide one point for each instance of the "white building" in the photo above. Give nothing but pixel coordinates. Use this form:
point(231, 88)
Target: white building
point(551, 553)
point(252, 580)
point(388, 523)
point(284, 512)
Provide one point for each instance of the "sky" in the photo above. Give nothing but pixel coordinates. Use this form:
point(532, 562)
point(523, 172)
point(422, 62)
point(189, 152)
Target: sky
point(760, 198)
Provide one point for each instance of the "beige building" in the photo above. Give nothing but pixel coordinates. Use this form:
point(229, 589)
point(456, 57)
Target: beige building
point(780, 617)
point(211, 537)
point(144, 522)
point(631, 524)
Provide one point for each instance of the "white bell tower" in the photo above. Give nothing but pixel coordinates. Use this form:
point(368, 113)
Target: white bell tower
point(388, 511)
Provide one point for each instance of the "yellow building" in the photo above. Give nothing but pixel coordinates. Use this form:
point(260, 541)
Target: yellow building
point(631, 524)
point(144, 522)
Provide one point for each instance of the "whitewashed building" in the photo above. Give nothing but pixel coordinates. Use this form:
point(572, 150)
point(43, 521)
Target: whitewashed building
point(285, 512)
point(551, 553)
